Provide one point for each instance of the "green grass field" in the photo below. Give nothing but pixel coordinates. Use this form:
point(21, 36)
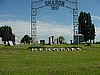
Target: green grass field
point(19, 60)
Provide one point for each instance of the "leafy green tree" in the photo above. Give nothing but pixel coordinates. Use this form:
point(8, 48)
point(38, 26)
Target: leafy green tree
point(86, 27)
point(81, 22)
point(61, 39)
point(92, 33)
point(6, 34)
point(26, 39)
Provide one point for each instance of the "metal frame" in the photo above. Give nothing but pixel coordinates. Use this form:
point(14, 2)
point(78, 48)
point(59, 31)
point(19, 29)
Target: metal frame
point(37, 4)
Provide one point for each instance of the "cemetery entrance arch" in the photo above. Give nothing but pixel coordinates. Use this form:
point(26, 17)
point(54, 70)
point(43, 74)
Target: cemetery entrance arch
point(54, 4)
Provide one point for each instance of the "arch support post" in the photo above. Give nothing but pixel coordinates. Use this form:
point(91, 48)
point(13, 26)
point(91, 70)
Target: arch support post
point(33, 25)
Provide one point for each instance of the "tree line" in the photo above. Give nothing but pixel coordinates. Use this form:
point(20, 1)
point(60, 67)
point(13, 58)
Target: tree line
point(86, 27)
point(27, 39)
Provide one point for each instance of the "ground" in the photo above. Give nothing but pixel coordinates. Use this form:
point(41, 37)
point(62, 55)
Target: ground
point(19, 60)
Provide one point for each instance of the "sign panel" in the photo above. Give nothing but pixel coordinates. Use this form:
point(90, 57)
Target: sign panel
point(54, 4)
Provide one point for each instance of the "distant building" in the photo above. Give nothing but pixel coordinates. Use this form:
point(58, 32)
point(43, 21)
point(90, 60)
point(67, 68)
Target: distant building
point(79, 38)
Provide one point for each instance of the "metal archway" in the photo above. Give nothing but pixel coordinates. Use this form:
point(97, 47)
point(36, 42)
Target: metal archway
point(54, 4)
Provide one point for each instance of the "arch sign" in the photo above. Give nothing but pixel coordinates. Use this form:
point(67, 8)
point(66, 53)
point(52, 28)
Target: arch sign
point(54, 4)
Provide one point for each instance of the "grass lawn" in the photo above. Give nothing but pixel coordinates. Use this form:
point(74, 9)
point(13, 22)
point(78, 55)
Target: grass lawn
point(19, 60)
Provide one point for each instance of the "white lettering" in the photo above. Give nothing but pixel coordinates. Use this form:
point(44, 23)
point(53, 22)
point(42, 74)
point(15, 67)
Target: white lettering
point(54, 49)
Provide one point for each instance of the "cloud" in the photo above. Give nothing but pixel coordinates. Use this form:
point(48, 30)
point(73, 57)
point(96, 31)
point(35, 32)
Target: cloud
point(44, 30)
point(52, 29)
point(98, 31)
point(46, 18)
point(5, 16)
point(20, 28)
point(97, 34)
point(96, 17)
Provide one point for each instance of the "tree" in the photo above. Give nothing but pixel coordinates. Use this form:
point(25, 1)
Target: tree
point(23, 40)
point(92, 33)
point(61, 39)
point(6, 34)
point(86, 27)
point(81, 22)
point(26, 39)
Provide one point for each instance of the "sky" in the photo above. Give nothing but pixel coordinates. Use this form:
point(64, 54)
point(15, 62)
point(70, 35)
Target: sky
point(17, 14)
